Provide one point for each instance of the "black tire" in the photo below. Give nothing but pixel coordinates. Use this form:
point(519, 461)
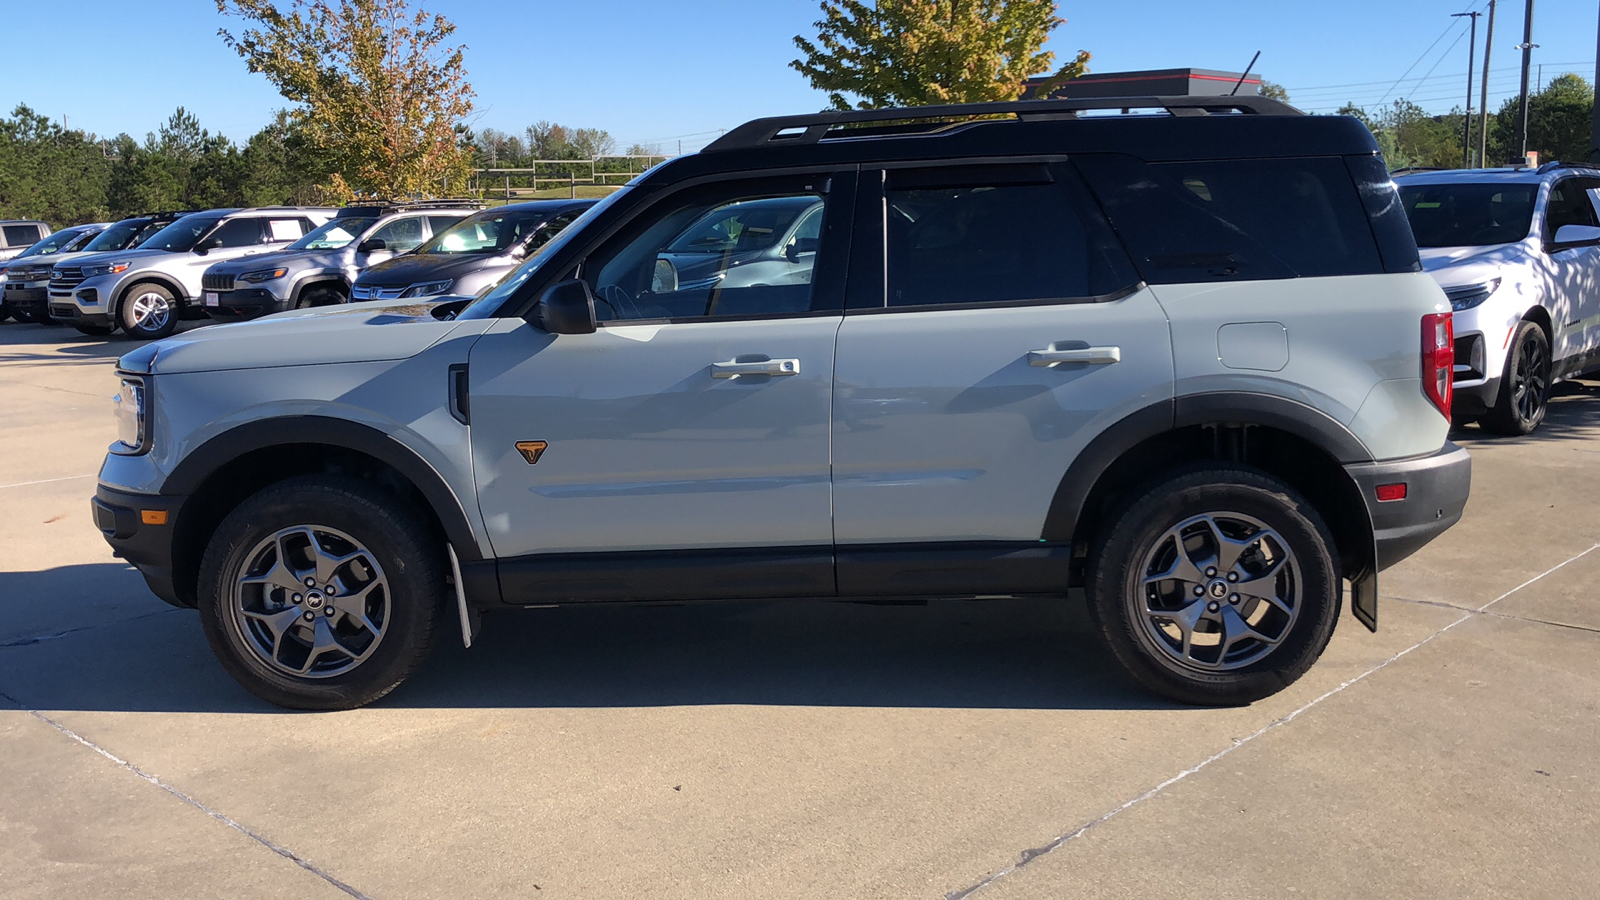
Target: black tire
point(148, 312)
point(1525, 386)
point(1127, 611)
point(5, 311)
point(319, 296)
point(94, 330)
point(408, 558)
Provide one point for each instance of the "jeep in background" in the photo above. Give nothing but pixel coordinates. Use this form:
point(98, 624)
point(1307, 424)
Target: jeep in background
point(471, 255)
point(146, 291)
point(1184, 359)
point(318, 269)
point(23, 277)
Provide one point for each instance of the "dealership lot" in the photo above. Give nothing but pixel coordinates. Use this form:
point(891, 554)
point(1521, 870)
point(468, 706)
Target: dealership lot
point(792, 750)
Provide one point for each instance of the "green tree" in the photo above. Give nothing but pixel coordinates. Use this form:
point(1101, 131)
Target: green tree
point(1273, 91)
point(1559, 119)
point(923, 52)
point(49, 172)
point(377, 89)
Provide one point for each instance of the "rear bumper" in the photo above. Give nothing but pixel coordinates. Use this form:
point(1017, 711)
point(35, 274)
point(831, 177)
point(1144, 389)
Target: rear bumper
point(34, 300)
point(120, 517)
point(248, 303)
point(1436, 494)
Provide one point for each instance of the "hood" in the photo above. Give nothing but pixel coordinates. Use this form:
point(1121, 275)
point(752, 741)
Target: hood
point(53, 259)
point(133, 256)
point(256, 260)
point(366, 332)
point(1453, 266)
point(416, 267)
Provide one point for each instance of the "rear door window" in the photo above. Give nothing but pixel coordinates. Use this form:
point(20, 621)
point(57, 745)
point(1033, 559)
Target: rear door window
point(402, 235)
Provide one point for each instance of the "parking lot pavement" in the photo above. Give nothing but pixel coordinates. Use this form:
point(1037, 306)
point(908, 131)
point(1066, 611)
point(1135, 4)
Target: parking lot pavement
point(792, 750)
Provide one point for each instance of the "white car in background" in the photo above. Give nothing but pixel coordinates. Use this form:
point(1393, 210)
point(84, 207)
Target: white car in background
point(1517, 251)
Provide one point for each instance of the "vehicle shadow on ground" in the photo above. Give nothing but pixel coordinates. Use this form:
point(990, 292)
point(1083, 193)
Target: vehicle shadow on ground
point(1028, 654)
point(1574, 413)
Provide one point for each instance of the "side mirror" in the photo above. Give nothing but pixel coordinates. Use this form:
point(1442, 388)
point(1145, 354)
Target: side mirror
point(799, 247)
point(372, 244)
point(1569, 236)
point(664, 279)
point(566, 308)
point(205, 246)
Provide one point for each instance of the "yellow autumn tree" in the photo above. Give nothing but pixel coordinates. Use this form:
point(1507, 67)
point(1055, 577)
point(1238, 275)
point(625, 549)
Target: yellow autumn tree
point(376, 88)
point(927, 52)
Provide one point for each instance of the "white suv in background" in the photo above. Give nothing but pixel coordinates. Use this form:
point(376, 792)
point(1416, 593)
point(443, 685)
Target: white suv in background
point(146, 291)
point(1518, 253)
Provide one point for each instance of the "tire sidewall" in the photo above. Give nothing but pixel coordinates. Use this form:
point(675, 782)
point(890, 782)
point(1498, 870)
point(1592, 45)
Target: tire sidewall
point(387, 530)
point(1116, 596)
point(125, 312)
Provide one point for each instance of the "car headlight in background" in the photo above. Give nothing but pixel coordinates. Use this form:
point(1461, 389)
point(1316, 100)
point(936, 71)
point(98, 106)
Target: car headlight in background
point(263, 275)
point(428, 288)
point(96, 271)
point(1468, 296)
point(130, 411)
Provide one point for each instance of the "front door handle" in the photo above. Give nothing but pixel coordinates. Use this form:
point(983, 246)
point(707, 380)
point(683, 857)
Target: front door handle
point(1092, 355)
point(733, 368)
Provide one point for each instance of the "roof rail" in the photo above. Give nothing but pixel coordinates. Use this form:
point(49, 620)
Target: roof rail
point(1558, 164)
point(814, 127)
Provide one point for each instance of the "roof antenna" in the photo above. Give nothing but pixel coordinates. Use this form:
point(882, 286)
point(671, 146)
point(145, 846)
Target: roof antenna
point(1246, 74)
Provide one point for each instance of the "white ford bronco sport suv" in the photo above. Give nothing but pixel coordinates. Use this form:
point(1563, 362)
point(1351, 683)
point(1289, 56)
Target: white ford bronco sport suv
point(1184, 360)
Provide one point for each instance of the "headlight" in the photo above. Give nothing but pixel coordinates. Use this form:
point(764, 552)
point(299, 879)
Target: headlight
point(130, 413)
point(1468, 296)
point(428, 289)
point(95, 271)
point(263, 275)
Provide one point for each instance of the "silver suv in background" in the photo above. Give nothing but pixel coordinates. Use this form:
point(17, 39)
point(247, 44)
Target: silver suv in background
point(472, 254)
point(145, 291)
point(26, 274)
point(318, 269)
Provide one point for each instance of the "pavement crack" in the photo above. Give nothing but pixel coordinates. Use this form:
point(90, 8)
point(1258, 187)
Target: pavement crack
point(1484, 612)
point(220, 817)
point(41, 638)
point(1027, 857)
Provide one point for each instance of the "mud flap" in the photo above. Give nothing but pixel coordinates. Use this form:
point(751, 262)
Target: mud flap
point(1364, 591)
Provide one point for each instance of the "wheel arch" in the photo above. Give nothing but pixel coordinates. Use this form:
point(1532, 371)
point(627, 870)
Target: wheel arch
point(219, 474)
point(179, 295)
point(1300, 445)
point(319, 279)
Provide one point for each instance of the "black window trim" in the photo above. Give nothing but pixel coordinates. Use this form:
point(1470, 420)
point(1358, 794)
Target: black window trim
point(872, 216)
point(838, 187)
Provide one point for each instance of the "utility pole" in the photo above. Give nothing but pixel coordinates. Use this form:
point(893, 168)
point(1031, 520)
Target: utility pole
point(1526, 47)
point(1483, 101)
point(1466, 119)
point(1594, 129)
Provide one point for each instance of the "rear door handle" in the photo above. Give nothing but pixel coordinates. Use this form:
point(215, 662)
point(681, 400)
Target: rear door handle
point(1092, 355)
point(733, 368)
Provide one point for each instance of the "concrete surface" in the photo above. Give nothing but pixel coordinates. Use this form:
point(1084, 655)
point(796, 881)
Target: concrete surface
point(791, 750)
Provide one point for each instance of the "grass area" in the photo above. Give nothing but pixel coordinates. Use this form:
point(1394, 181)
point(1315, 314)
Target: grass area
point(519, 195)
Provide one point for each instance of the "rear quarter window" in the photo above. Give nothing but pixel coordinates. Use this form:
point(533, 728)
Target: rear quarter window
point(1227, 220)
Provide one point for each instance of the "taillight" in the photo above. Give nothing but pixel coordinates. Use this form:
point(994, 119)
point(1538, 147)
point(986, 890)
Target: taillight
point(1438, 359)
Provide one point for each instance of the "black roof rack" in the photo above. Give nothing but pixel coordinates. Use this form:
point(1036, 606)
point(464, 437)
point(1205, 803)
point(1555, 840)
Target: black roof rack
point(1558, 164)
point(379, 208)
point(815, 127)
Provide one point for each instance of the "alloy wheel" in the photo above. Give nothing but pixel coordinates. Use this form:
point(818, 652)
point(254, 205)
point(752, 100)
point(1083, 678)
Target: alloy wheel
point(1530, 380)
point(151, 311)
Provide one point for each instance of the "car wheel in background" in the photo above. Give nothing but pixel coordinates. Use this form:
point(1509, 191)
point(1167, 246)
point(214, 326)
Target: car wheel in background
point(321, 592)
point(1216, 587)
point(319, 296)
point(148, 311)
point(1525, 388)
point(5, 311)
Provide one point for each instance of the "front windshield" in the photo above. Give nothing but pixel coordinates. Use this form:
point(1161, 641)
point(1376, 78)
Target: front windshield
point(52, 244)
point(122, 235)
point(488, 302)
point(485, 232)
point(740, 227)
point(335, 234)
point(1469, 214)
point(182, 235)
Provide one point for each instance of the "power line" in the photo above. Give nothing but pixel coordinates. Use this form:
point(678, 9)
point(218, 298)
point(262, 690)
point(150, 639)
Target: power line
point(1454, 23)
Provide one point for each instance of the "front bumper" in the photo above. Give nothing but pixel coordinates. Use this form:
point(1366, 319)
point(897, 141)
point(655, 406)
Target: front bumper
point(121, 518)
point(1436, 494)
point(242, 304)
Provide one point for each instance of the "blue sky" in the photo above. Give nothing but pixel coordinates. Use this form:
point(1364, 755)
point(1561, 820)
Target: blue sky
point(661, 71)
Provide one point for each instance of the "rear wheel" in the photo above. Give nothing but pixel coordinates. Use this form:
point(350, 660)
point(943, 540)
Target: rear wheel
point(148, 311)
point(1525, 387)
point(1216, 587)
point(321, 592)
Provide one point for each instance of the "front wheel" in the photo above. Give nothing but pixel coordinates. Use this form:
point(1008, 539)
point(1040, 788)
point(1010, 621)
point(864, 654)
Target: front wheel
point(148, 312)
point(1216, 587)
point(1525, 387)
point(321, 592)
